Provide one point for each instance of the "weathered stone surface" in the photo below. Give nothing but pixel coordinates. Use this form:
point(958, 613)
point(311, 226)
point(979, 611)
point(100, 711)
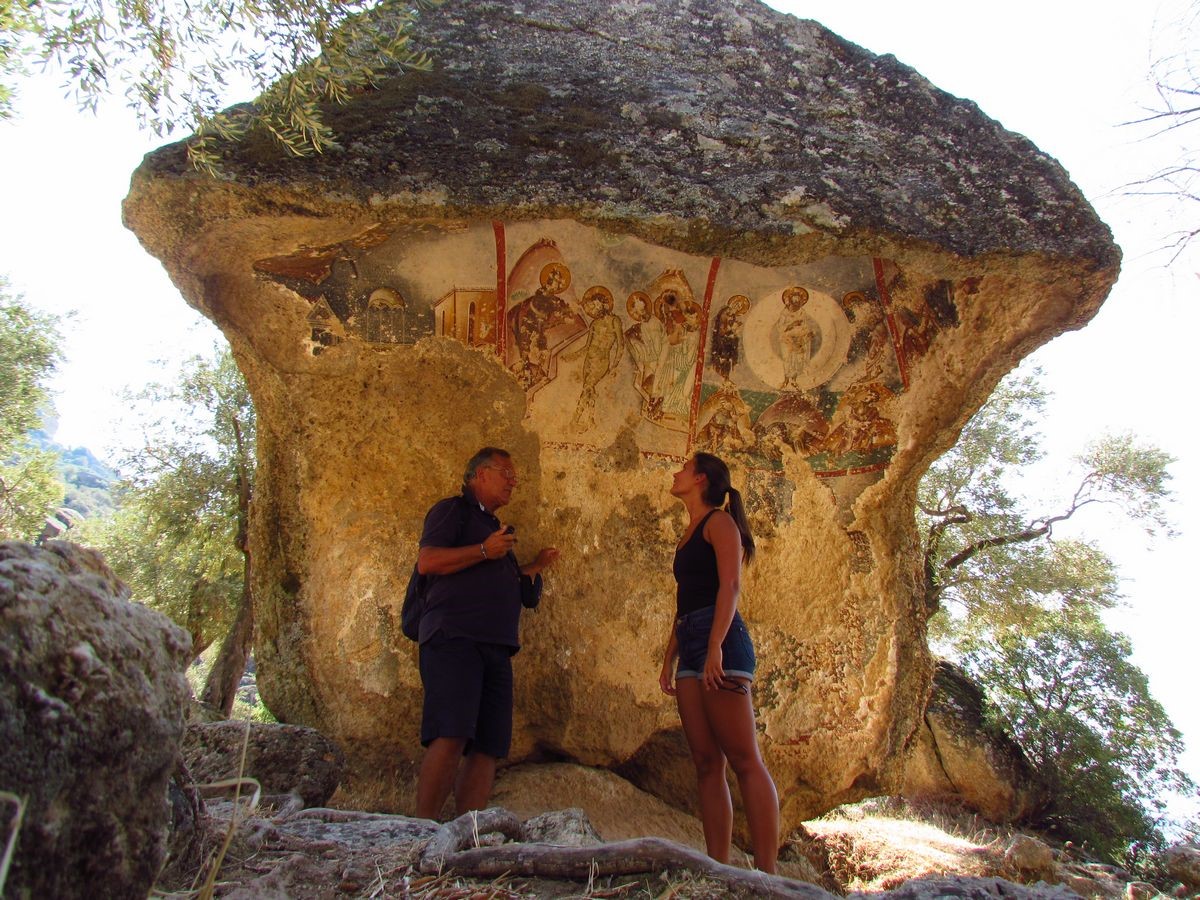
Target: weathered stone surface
point(563, 828)
point(92, 699)
point(971, 889)
point(615, 808)
point(285, 759)
point(1029, 859)
point(604, 241)
point(1182, 862)
point(957, 755)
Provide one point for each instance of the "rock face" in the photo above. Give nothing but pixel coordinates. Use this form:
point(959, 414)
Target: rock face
point(605, 238)
point(1182, 862)
point(958, 755)
point(92, 699)
point(285, 759)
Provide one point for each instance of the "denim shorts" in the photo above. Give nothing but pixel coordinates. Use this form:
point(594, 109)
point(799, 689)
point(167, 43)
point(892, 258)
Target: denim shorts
point(692, 631)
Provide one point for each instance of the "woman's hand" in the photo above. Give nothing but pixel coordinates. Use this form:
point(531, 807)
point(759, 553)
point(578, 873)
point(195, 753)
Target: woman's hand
point(714, 670)
point(666, 679)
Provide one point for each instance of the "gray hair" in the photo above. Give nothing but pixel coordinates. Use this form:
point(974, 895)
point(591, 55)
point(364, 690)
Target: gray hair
point(481, 459)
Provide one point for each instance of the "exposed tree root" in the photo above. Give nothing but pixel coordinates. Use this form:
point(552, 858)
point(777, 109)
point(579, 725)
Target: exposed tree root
point(455, 846)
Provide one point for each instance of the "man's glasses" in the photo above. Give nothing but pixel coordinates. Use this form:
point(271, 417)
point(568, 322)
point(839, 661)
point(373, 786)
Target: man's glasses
point(507, 473)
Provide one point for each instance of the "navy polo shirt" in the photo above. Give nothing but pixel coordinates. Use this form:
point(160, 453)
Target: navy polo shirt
point(483, 601)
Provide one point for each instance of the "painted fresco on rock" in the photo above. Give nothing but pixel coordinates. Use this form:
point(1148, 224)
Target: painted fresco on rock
point(609, 335)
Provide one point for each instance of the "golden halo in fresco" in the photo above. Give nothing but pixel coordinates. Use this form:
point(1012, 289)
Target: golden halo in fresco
point(739, 304)
point(794, 297)
point(600, 294)
point(555, 277)
point(638, 300)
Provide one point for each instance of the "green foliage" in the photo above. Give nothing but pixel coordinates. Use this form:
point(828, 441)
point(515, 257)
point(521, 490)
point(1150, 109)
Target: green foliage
point(176, 538)
point(976, 530)
point(1103, 747)
point(1021, 612)
point(29, 351)
point(16, 23)
point(29, 491)
point(176, 59)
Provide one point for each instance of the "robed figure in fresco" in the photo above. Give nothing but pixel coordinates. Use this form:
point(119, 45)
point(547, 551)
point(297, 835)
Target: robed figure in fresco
point(682, 318)
point(796, 337)
point(543, 322)
point(644, 338)
point(601, 353)
point(727, 335)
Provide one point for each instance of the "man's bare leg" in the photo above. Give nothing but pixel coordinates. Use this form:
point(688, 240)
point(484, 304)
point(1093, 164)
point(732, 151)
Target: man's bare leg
point(438, 770)
point(475, 780)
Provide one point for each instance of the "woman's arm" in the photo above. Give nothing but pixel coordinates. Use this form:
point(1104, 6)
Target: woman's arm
point(666, 676)
point(722, 532)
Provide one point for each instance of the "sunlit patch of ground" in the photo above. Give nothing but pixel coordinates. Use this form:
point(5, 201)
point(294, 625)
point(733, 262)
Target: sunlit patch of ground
point(877, 853)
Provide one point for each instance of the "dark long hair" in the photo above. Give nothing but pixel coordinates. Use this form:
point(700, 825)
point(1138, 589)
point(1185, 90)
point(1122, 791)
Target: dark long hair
point(718, 489)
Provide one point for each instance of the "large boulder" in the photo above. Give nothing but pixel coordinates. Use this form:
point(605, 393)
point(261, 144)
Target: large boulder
point(1182, 862)
point(92, 703)
point(604, 237)
point(283, 759)
point(959, 754)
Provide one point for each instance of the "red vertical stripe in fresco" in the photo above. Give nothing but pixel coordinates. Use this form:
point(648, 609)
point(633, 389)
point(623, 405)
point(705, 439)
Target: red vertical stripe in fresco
point(886, 300)
point(501, 289)
point(702, 346)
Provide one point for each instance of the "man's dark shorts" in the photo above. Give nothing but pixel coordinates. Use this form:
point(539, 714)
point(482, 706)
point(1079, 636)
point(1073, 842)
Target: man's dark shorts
point(468, 693)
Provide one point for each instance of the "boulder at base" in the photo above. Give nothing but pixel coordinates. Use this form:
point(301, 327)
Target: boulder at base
point(92, 701)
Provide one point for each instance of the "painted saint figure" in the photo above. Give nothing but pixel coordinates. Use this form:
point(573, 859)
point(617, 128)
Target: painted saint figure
point(727, 334)
point(796, 336)
point(682, 320)
point(858, 424)
point(601, 353)
point(645, 340)
point(534, 317)
point(725, 419)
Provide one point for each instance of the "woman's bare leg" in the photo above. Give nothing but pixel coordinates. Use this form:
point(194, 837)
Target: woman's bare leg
point(730, 719)
point(716, 806)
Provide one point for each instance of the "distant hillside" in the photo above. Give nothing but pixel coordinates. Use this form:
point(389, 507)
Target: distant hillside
point(89, 480)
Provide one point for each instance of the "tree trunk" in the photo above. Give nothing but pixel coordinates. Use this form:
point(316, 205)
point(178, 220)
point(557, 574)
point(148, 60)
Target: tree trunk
point(221, 686)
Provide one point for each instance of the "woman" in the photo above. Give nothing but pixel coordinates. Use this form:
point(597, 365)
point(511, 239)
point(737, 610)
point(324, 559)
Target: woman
point(716, 661)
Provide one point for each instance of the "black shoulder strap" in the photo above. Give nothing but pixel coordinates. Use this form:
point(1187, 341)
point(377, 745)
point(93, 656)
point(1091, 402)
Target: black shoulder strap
point(464, 510)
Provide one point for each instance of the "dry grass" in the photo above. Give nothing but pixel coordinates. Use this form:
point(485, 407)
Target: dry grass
point(877, 846)
point(14, 828)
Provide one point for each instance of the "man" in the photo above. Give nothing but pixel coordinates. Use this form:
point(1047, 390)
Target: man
point(469, 634)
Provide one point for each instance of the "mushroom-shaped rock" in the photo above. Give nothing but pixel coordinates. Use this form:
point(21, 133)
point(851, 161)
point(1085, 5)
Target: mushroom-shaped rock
point(604, 237)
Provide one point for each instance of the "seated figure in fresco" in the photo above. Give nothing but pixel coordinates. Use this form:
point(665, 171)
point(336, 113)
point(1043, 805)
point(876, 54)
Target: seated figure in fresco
point(858, 425)
point(793, 422)
point(531, 319)
point(645, 341)
point(726, 422)
point(871, 338)
point(727, 334)
point(601, 353)
point(796, 336)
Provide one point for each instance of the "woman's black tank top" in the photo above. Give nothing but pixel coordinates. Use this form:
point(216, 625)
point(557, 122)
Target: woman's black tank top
point(695, 570)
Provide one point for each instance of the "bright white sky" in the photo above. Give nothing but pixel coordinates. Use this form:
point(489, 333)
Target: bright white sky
point(1065, 73)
